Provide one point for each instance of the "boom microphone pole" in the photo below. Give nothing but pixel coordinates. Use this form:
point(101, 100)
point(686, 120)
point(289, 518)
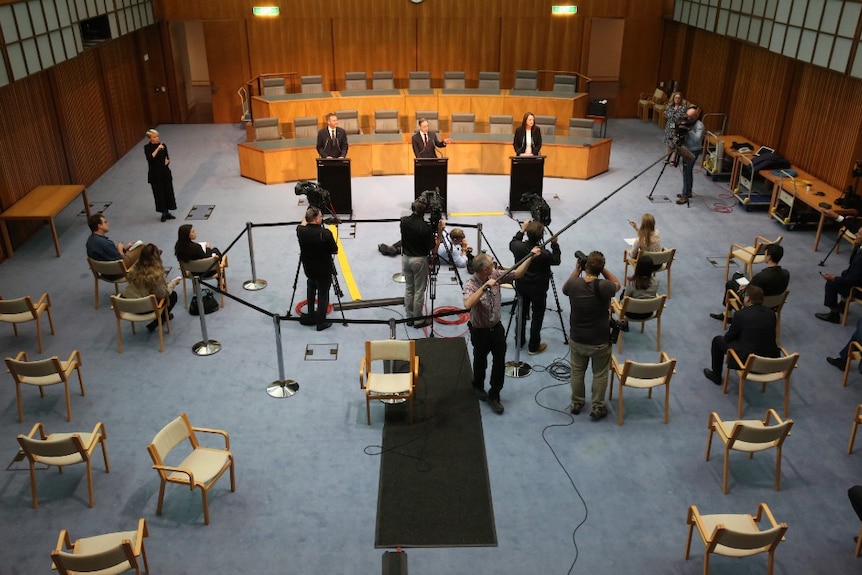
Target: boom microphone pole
point(583, 215)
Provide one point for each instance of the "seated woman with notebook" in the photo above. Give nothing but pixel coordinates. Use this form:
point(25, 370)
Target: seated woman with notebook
point(188, 249)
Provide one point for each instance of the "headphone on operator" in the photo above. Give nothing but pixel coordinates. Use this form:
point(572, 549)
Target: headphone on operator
point(418, 206)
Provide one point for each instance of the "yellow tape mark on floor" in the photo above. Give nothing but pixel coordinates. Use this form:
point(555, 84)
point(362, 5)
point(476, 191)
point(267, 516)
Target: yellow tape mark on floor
point(475, 214)
point(344, 264)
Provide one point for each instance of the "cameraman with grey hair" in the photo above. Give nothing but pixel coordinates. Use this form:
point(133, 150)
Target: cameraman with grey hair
point(590, 299)
point(483, 298)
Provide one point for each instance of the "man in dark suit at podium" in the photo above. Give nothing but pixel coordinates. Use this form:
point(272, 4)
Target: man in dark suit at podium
point(332, 140)
point(425, 142)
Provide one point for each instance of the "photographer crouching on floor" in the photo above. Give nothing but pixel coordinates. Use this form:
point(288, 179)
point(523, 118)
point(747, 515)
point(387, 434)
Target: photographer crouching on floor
point(590, 299)
point(689, 141)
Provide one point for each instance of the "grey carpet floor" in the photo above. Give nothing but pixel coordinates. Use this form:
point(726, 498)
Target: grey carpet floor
point(306, 496)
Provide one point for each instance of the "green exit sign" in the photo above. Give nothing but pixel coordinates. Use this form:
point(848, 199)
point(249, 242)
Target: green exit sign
point(265, 10)
point(563, 10)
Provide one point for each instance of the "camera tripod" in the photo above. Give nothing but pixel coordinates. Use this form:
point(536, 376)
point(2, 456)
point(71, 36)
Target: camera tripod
point(336, 287)
point(671, 158)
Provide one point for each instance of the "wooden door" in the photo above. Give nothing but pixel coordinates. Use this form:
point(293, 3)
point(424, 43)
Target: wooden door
point(227, 59)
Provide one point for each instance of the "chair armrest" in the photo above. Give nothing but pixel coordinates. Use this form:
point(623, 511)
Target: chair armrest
point(40, 428)
point(731, 354)
point(855, 347)
point(142, 532)
point(762, 240)
point(221, 432)
point(177, 470)
point(772, 415)
point(362, 373)
point(763, 510)
point(22, 356)
point(416, 367)
point(616, 307)
point(713, 419)
point(76, 357)
point(97, 435)
point(44, 298)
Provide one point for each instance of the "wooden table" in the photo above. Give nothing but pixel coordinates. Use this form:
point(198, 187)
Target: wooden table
point(42, 203)
point(812, 196)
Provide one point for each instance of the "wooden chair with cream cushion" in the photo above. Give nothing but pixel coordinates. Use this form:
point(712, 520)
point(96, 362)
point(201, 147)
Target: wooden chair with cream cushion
point(736, 535)
point(762, 370)
point(199, 469)
point(43, 372)
point(387, 384)
point(652, 305)
point(749, 436)
point(23, 309)
point(211, 268)
point(857, 419)
point(136, 310)
point(662, 260)
point(102, 554)
point(646, 101)
point(749, 255)
point(853, 354)
point(734, 302)
point(642, 376)
point(61, 450)
point(109, 272)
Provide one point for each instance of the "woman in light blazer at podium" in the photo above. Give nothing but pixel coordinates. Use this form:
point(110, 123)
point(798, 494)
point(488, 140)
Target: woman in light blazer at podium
point(528, 138)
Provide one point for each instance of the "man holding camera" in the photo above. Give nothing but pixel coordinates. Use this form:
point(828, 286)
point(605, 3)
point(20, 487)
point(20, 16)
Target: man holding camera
point(533, 287)
point(417, 240)
point(691, 132)
point(483, 298)
point(590, 299)
point(316, 247)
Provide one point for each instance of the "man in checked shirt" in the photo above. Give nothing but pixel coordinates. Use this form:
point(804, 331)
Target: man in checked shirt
point(482, 297)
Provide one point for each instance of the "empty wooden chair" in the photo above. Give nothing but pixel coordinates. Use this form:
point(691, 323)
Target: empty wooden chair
point(381, 385)
point(43, 372)
point(23, 309)
point(102, 554)
point(643, 376)
point(136, 310)
point(453, 80)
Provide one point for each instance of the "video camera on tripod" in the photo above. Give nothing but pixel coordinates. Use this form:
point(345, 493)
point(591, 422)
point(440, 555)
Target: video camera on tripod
point(317, 196)
point(680, 133)
point(540, 211)
point(434, 202)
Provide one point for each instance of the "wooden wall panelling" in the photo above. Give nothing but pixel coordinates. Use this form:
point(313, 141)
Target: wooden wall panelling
point(304, 46)
point(822, 131)
point(639, 66)
point(35, 151)
point(537, 43)
point(707, 71)
point(438, 50)
point(124, 90)
point(228, 61)
point(757, 107)
point(374, 44)
point(83, 116)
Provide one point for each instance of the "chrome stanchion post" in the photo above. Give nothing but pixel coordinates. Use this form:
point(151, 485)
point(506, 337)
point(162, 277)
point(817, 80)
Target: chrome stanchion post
point(281, 387)
point(255, 283)
point(206, 346)
point(518, 368)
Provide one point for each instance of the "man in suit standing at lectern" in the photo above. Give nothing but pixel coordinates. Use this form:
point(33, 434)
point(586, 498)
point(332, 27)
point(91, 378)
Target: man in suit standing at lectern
point(332, 140)
point(425, 142)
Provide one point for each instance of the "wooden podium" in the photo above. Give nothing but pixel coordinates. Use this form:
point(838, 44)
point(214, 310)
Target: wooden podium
point(526, 176)
point(428, 174)
point(333, 175)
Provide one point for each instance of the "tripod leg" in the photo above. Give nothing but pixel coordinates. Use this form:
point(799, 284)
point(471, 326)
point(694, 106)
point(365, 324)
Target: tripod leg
point(295, 282)
point(560, 311)
point(664, 165)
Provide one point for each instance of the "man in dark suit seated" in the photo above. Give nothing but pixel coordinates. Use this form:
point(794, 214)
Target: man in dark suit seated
point(773, 280)
point(332, 140)
point(841, 361)
point(752, 332)
point(425, 143)
point(841, 285)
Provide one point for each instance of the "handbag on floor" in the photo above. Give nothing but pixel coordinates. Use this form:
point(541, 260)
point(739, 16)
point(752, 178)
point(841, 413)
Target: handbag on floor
point(209, 301)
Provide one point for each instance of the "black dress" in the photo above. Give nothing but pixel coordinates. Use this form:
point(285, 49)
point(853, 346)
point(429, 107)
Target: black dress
point(160, 178)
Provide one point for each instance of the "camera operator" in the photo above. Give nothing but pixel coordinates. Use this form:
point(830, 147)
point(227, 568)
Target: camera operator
point(590, 299)
point(533, 287)
point(690, 132)
point(316, 247)
point(483, 298)
point(417, 242)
